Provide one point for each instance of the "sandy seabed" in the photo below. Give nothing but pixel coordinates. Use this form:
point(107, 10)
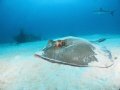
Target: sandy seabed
point(20, 70)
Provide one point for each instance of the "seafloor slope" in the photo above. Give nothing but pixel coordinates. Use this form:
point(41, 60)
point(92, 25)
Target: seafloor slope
point(20, 70)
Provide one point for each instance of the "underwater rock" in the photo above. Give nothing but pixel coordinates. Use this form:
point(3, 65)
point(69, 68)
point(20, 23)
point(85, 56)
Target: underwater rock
point(76, 52)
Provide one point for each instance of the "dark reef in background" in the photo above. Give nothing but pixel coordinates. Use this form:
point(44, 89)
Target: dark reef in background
point(22, 37)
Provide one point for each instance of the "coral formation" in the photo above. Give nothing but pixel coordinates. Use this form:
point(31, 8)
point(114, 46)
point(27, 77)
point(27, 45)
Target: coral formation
point(22, 37)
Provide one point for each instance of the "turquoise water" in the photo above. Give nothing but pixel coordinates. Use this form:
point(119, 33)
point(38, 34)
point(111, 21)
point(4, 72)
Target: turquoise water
point(53, 19)
point(58, 18)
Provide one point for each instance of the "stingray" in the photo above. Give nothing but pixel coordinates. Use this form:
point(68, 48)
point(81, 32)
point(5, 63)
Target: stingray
point(76, 52)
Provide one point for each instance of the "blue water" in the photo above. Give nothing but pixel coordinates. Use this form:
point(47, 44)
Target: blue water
point(56, 18)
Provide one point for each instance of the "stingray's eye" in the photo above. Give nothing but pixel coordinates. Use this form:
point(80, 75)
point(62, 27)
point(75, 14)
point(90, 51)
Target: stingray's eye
point(59, 45)
point(63, 43)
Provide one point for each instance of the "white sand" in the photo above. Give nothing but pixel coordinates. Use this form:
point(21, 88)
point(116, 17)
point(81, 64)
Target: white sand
point(20, 70)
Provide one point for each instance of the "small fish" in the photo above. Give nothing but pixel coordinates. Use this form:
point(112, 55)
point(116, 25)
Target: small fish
point(101, 11)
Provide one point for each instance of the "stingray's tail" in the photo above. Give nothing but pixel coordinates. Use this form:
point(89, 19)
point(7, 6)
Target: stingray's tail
point(112, 12)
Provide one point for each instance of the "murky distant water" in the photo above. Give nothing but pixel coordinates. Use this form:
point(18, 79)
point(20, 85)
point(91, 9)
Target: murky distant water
point(56, 18)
